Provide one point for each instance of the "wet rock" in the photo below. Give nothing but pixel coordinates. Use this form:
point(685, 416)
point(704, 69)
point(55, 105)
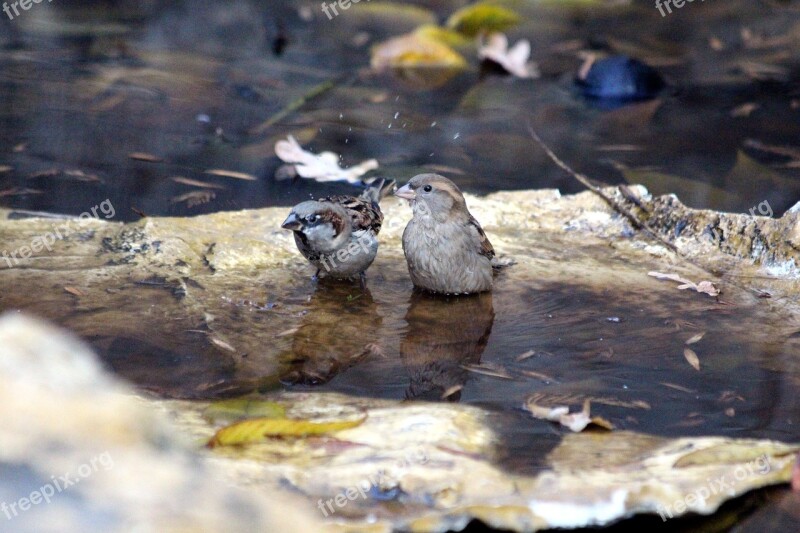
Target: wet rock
point(79, 451)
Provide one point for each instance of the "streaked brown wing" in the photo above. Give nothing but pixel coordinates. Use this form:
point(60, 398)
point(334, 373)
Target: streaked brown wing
point(363, 214)
point(486, 247)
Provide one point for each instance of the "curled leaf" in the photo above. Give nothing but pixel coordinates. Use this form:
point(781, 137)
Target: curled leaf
point(576, 422)
point(320, 167)
point(514, 60)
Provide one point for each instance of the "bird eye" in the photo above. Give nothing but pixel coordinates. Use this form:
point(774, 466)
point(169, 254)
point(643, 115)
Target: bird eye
point(427, 188)
point(312, 218)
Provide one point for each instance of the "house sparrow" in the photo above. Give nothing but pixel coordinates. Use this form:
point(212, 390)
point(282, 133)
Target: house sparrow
point(338, 234)
point(445, 247)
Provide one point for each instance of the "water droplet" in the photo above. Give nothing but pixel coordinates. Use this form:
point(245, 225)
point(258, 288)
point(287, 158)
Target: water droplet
point(404, 124)
point(433, 123)
point(456, 136)
point(431, 155)
point(341, 116)
point(396, 115)
point(390, 125)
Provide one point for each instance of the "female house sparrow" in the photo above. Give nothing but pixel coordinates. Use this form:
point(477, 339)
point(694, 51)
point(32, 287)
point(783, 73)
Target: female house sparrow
point(338, 234)
point(445, 247)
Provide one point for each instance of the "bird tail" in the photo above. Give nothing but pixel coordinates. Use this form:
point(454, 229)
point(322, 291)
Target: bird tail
point(378, 190)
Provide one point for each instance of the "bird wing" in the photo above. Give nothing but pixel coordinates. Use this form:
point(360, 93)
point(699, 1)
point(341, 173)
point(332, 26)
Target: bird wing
point(486, 248)
point(364, 215)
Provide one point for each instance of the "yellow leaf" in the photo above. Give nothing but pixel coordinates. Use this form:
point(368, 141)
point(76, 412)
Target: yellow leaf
point(258, 429)
point(415, 50)
point(472, 20)
point(443, 35)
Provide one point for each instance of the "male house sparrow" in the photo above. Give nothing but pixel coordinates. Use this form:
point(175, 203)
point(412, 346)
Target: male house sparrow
point(338, 234)
point(445, 247)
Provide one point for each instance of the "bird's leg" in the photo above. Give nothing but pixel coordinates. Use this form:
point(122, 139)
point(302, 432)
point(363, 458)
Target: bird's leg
point(315, 277)
point(363, 278)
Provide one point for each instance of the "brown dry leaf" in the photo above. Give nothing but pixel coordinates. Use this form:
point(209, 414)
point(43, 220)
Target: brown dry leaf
point(450, 391)
point(143, 156)
point(692, 358)
point(231, 174)
point(538, 375)
point(222, 344)
point(678, 387)
point(705, 287)
point(576, 422)
point(715, 43)
point(487, 370)
point(257, 429)
point(195, 183)
point(80, 175)
point(541, 398)
point(194, 198)
point(526, 355)
point(695, 338)
point(19, 191)
point(74, 291)
point(744, 110)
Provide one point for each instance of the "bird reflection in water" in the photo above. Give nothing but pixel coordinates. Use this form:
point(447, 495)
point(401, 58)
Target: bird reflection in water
point(443, 334)
point(333, 335)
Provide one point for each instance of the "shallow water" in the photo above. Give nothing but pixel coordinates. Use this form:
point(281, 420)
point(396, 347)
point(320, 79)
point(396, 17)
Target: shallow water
point(194, 83)
point(188, 83)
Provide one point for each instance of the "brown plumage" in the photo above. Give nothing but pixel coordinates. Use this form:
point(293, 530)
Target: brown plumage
point(338, 234)
point(446, 249)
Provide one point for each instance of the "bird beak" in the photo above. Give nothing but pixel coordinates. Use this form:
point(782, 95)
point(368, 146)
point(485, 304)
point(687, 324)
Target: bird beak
point(406, 193)
point(292, 222)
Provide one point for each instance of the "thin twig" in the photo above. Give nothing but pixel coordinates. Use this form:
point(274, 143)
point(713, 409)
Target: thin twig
point(294, 105)
point(586, 182)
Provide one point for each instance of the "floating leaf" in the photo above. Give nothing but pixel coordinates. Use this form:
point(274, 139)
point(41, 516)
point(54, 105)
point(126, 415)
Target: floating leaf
point(320, 167)
point(231, 174)
point(705, 287)
point(474, 19)
point(514, 60)
point(414, 50)
point(142, 156)
point(576, 422)
point(258, 429)
point(692, 358)
point(695, 338)
point(195, 183)
point(487, 370)
point(194, 198)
